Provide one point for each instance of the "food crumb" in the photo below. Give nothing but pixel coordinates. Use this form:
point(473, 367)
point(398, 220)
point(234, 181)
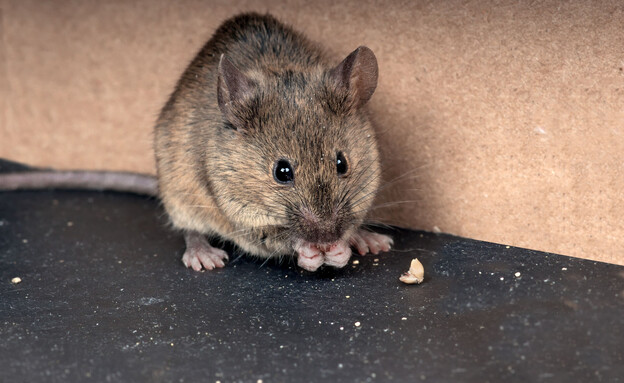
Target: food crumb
point(16, 280)
point(356, 262)
point(564, 268)
point(357, 324)
point(517, 274)
point(415, 274)
point(404, 318)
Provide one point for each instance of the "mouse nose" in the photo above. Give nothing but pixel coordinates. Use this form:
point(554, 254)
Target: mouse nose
point(317, 228)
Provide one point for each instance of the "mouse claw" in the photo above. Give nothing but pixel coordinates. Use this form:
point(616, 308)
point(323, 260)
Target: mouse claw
point(367, 241)
point(200, 254)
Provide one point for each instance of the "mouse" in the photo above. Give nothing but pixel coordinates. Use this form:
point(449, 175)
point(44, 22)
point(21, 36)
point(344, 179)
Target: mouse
point(265, 142)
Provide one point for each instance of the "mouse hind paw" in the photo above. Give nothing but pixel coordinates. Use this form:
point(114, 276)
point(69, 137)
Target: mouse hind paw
point(200, 254)
point(367, 241)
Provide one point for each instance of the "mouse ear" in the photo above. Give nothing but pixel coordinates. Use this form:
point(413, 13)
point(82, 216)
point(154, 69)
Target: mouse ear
point(234, 90)
point(357, 75)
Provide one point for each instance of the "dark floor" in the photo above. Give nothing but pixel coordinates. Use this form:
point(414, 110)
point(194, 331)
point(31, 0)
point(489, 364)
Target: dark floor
point(104, 297)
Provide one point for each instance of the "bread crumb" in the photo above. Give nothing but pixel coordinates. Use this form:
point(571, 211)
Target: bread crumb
point(16, 280)
point(415, 274)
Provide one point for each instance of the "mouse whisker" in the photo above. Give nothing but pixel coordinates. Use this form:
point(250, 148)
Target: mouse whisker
point(363, 198)
point(204, 207)
point(348, 192)
point(379, 224)
point(391, 204)
point(407, 176)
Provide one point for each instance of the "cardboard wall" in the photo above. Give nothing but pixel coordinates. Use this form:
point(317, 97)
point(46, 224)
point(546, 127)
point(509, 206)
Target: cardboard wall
point(501, 121)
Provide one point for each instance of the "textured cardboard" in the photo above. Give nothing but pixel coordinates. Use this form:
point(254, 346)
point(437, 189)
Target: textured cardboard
point(501, 121)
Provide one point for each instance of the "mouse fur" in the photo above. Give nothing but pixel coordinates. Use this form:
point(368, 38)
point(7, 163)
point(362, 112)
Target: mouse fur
point(257, 93)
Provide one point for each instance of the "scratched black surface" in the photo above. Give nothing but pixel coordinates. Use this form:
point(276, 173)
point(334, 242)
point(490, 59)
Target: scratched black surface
point(104, 297)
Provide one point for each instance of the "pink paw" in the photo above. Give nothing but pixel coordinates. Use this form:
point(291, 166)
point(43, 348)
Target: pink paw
point(310, 257)
point(200, 254)
point(367, 241)
point(338, 254)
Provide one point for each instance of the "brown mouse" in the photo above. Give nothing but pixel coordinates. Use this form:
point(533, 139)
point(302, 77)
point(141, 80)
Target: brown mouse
point(266, 143)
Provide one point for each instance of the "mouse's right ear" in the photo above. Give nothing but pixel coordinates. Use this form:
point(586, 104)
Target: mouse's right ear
point(234, 90)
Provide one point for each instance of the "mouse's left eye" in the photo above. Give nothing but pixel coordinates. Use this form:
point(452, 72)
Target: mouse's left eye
point(283, 172)
point(342, 167)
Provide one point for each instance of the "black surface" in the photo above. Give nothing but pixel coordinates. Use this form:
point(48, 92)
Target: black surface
point(104, 297)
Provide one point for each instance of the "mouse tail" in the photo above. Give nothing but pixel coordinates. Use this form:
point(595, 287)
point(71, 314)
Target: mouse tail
point(142, 184)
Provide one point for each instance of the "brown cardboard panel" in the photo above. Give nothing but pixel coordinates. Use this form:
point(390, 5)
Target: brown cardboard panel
point(497, 121)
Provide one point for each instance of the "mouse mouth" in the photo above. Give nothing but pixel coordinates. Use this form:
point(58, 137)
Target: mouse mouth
point(319, 229)
point(322, 238)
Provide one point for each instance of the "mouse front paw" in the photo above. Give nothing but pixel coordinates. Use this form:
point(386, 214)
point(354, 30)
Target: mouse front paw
point(367, 241)
point(309, 257)
point(200, 254)
point(338, 254)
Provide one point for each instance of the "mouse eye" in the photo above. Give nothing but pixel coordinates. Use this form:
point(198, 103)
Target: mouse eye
point(342, 167)
point(283, 172)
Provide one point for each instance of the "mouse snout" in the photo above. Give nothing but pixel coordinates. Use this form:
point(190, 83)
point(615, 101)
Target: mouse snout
point(319, 228)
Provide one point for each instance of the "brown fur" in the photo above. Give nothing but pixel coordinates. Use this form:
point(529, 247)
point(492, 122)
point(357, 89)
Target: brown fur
point(276, 97)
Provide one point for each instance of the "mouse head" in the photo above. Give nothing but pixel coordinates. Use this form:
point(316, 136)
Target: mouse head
point(302, 156)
